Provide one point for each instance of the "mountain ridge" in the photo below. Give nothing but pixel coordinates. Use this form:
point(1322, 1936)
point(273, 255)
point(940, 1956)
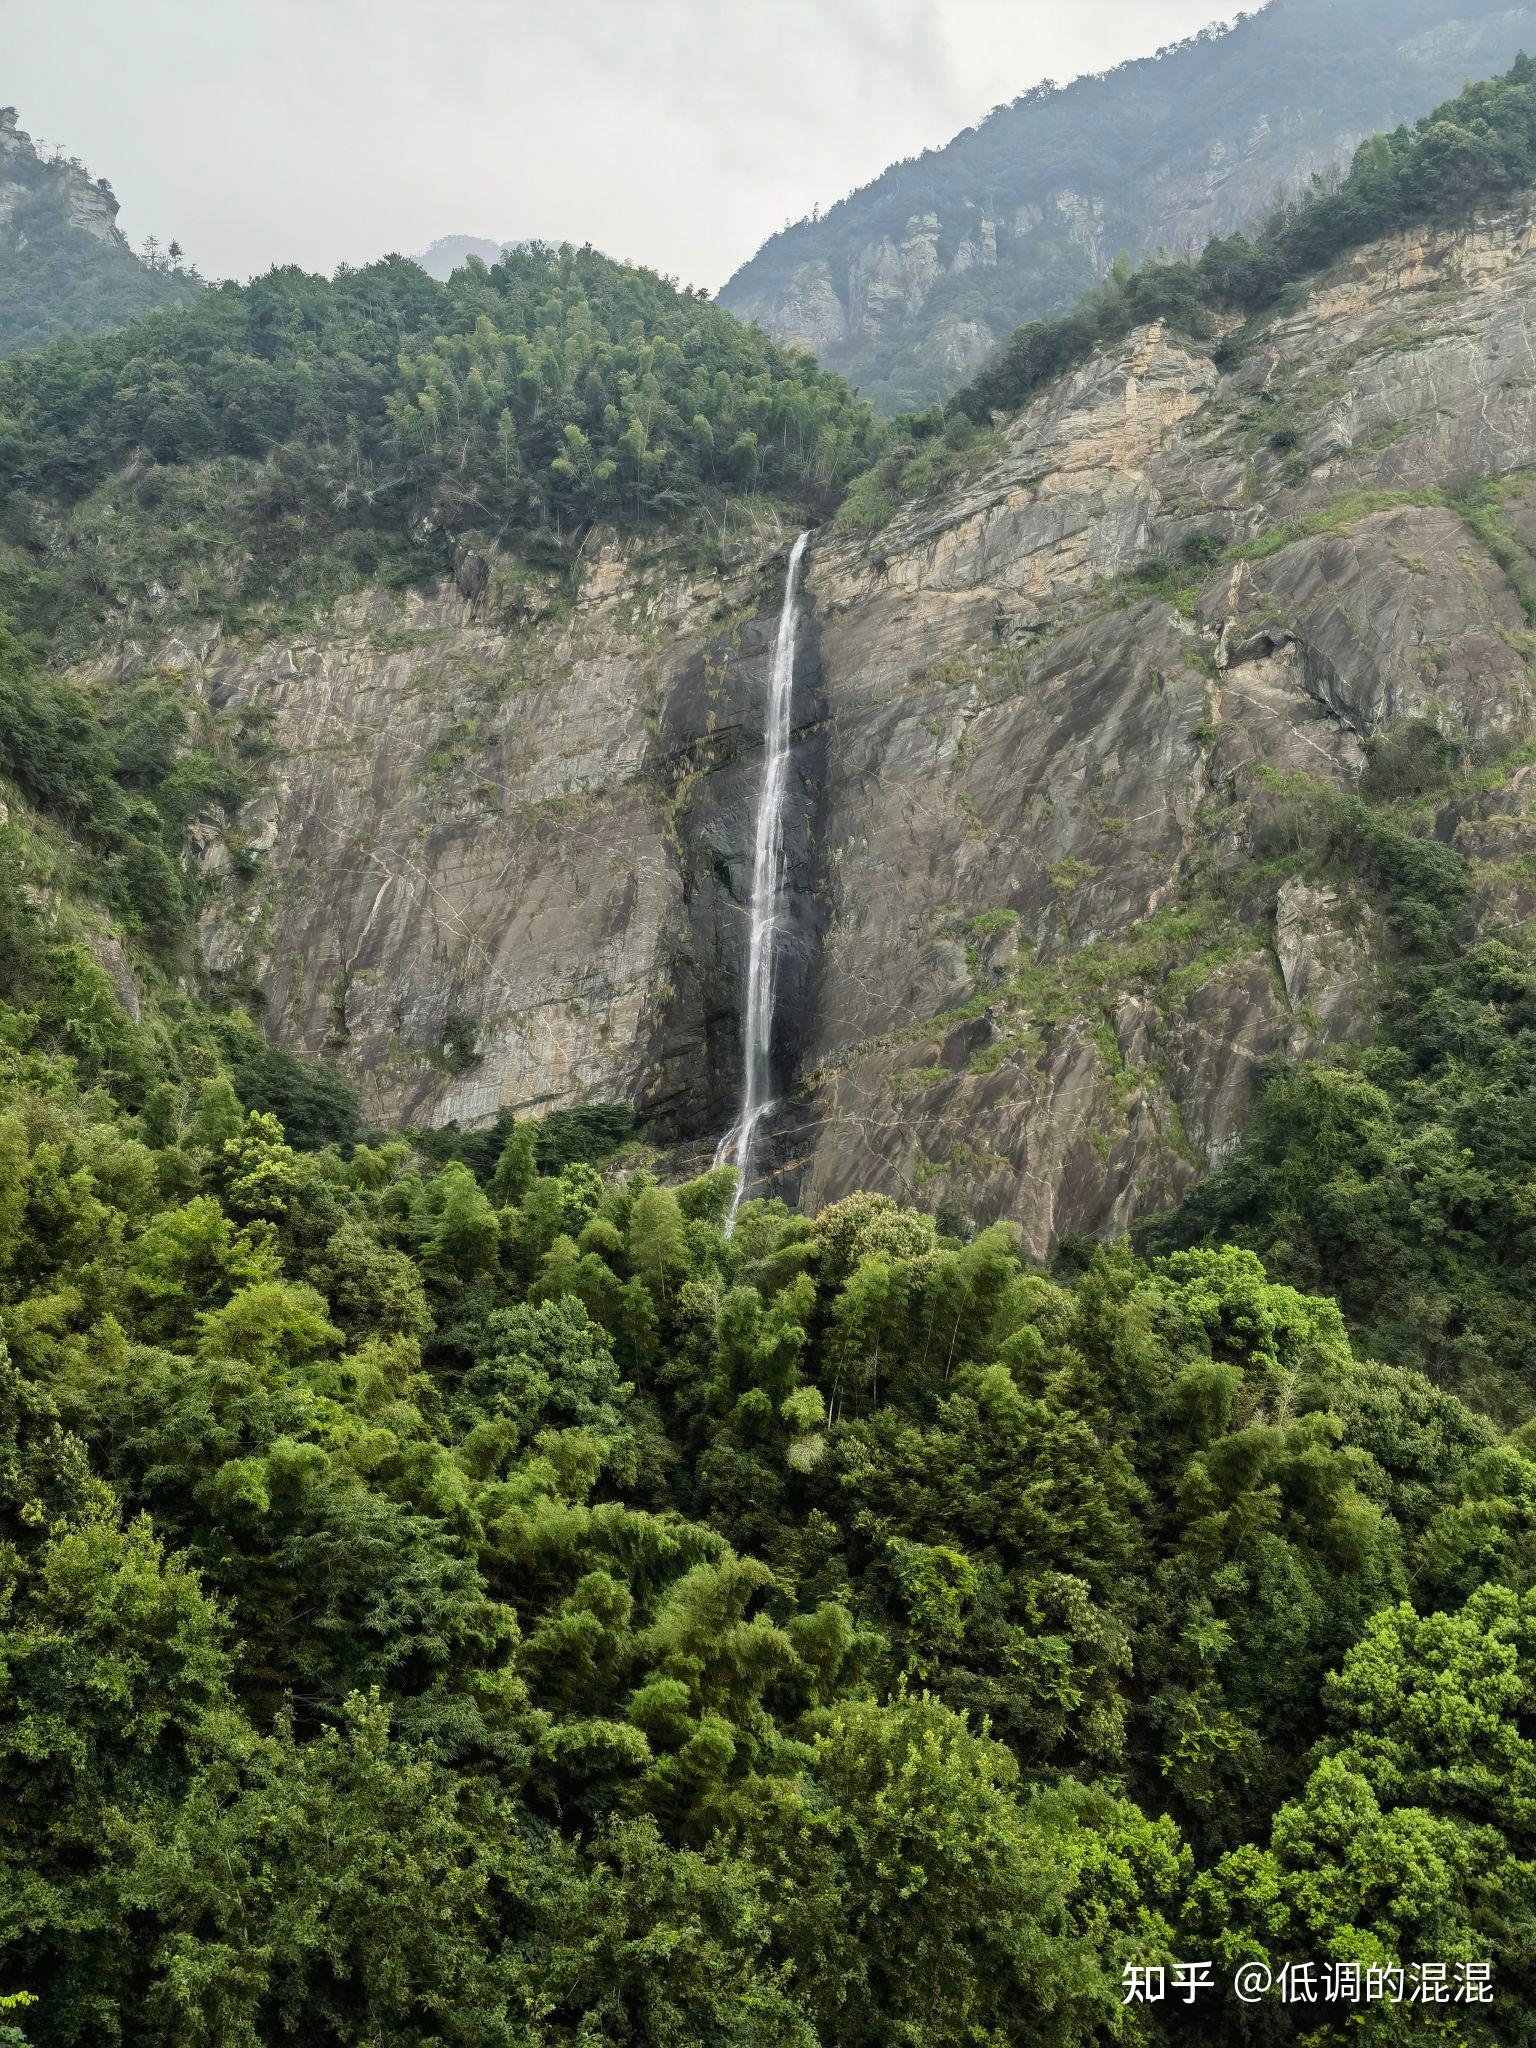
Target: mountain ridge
point(908, 285)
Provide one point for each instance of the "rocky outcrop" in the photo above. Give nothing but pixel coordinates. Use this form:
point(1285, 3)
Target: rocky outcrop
point(65, 265)
point(910, 282)
point(1324, 964)
point(892, 277)
point(805, 313)
point(958, 348)
point(1379, 645)
point(88, 205)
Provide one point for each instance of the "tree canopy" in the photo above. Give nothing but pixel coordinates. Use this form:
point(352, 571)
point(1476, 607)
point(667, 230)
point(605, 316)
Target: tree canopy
point(365, 424)
point(453, 1591)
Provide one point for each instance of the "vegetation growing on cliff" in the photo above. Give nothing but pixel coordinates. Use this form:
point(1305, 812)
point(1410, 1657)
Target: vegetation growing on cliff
point(300, 432)
point(453, 1593)
point(1397, 1177)
point(1476, 150)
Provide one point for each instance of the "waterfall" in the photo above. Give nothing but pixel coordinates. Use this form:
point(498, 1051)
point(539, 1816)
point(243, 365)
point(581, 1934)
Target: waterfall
point(767, 886)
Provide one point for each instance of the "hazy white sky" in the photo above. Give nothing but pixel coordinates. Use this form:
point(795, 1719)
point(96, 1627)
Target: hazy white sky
point(677, 133)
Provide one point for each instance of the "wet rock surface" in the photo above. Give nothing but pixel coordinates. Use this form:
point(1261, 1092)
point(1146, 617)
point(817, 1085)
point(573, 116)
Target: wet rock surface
point(497, 863)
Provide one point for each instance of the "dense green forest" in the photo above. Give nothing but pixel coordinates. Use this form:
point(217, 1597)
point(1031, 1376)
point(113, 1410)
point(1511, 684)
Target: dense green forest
point(481, 1603)
point(301, 434)
point(58, 275)
point(1398, 1181)
point(1049, 187)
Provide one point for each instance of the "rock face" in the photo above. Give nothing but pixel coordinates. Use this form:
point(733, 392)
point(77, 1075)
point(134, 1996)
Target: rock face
point(501, 861)
point(907, 285)
point(88, 205)
point(1070, 914)
point(1065, 729)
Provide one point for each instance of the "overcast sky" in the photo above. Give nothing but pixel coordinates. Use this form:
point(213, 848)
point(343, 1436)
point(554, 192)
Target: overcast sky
point(676, 133)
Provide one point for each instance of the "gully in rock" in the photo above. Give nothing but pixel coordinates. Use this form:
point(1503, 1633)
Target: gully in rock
point(767, 886)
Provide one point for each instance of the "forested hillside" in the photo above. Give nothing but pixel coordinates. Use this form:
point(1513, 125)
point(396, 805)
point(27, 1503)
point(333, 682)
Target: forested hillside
point(457, 1593)
point(908, 284)
point(299, 435)
point(65, 265)
point(1393, 1181)
point(1475, 152)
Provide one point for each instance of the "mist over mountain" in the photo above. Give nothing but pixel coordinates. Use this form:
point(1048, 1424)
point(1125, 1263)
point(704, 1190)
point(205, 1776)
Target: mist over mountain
point(65, 265)
point(451, 252)
point(907, 285)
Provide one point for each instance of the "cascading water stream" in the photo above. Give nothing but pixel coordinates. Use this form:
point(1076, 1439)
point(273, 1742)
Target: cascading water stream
point(767, 888)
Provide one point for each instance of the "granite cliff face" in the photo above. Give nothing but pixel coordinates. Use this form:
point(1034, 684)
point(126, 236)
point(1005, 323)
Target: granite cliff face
point(907, 286)
point(500, 861)
point(1066, 729)
point(1072, 900)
